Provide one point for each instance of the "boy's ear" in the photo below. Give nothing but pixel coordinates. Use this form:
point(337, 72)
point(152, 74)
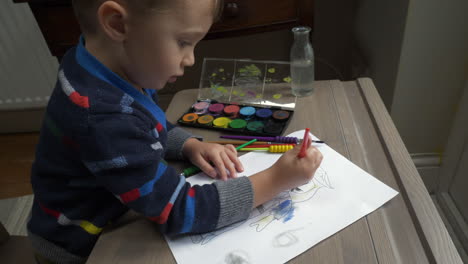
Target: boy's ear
point(113, 18)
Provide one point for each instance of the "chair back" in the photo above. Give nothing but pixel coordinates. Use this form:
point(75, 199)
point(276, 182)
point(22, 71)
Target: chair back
point(4, 236)
point(15, 249)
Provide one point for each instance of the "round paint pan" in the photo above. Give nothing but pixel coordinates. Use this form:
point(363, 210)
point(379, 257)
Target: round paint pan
point(221, 122)
point(205, 120)
point(238, 123)
point(273, 128)
point(281, 115)
point(255, 126)
point(247, 112)
point(216, 108)
point(232, 111)
point(200, 107)
point(190, 118)
point(263, 113)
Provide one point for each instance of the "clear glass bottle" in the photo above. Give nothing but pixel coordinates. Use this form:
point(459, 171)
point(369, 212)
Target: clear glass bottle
point(302, 62)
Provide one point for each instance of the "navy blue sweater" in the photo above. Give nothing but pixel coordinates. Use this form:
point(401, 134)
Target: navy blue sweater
point(102, 151)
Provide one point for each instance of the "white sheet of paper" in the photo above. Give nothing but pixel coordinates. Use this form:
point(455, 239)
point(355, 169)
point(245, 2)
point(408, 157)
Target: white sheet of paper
point(339, 194)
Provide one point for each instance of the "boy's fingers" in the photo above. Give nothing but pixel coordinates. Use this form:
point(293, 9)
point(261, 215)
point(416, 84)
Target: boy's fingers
point(237, 163)
point(315, 154)
point(231, 148)
point(296, 149)
point(219, 164)
point(229, 165)
point(206, 167)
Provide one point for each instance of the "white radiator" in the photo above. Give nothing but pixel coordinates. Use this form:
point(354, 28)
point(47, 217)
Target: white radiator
point(27, 70)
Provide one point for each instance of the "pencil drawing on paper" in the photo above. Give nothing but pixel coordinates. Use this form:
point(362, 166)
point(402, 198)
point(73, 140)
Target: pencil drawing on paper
point(286, 238)
point(237, 257)
point(280, 209)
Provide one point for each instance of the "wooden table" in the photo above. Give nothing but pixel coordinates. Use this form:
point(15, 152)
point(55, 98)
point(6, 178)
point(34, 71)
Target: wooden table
point(352, 119)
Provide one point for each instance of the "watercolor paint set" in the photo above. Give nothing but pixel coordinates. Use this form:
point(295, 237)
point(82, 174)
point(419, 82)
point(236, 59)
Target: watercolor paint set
point(243, 96)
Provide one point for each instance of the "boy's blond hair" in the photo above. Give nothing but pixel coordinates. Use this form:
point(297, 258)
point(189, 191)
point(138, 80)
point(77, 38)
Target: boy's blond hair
point(85, 10)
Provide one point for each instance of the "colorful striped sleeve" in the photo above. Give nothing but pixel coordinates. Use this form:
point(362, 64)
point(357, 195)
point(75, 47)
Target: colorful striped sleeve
point(127, 158)
point(176, 138)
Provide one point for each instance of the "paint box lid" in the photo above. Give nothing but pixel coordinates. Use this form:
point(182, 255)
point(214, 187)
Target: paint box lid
point(247, 82)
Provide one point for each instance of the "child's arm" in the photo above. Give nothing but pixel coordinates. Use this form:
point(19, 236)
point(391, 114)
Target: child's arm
point(126, 158)
point(176, 139)
point(287, 173)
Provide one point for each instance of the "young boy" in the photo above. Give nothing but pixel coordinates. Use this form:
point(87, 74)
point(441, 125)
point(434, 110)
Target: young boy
point(104, 141)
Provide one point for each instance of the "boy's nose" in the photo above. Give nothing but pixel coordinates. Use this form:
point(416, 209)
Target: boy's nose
point(189, 60)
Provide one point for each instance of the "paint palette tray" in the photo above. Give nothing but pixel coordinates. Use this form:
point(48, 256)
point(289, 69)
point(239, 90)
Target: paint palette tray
point(243, 96)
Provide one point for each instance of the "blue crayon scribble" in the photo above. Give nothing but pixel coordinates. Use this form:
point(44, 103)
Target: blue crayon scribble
point(289, 216)
point(284, 210)
point(284, 204)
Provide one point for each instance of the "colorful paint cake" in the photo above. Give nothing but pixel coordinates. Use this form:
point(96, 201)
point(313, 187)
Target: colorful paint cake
point(232, 110)
point(263, 113)
point(272, 127)
point(238, 123)
point(247, 112)
point(281, 115)
point(221, 122)
point(205, 120)
point(190, 118)
point(200, 107)
point(255, 126)
point(216, 108)
point(237, 118)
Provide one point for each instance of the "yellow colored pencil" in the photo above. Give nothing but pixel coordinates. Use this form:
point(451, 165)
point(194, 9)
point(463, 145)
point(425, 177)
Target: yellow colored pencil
point(273, 149)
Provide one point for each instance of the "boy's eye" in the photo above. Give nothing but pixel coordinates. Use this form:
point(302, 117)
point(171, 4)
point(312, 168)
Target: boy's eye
point(183, 43)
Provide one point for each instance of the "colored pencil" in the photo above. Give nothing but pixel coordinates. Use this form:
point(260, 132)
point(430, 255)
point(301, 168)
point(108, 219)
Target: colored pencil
point(262, 142)
point(268, 145)
point(239, 142)
point(272, 139)
point(246, 144)
point(273, 149)
point(305, 144)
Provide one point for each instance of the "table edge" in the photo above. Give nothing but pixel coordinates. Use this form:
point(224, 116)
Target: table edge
point(432, 232)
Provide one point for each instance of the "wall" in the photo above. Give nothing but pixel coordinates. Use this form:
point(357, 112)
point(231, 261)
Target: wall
point(379, 29)
point(336, 55)
point(417, 52)
point(27, 70)
point(431, 73)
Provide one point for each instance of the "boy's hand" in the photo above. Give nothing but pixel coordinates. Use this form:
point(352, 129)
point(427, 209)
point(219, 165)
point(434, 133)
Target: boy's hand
point(287, 173)
point(204, 155)
point(291, 172)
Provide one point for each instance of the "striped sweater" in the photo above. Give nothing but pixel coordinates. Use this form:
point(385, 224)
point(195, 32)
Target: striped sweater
point(101, 152)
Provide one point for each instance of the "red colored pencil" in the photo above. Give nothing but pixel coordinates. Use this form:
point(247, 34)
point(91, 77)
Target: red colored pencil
point(304, 145)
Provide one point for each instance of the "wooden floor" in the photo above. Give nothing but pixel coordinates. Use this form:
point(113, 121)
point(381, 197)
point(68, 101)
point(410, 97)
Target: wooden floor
point(16, 157)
